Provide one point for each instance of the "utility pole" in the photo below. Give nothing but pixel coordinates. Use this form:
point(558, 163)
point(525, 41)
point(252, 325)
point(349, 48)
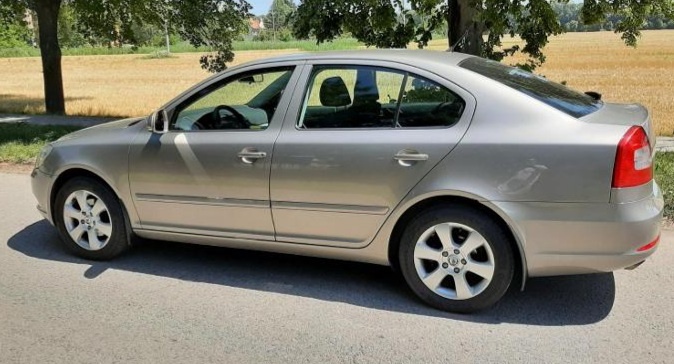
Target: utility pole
point(273, 23)
point(166, 27)
point(166, 34)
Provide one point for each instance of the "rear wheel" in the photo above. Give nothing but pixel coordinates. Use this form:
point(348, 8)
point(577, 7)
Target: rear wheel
point(90, 219)
point(456, 259)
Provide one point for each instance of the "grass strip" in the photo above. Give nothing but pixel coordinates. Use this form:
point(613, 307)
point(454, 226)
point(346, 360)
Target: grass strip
point(20, 142)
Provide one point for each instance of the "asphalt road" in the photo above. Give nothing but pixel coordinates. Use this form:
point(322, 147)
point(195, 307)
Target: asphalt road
point(167, 302)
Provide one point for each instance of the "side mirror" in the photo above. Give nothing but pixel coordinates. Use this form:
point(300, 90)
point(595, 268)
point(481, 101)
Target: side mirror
point(158, 122)
point(252, 79)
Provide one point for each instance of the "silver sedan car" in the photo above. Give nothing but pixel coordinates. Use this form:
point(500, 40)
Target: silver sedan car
point(465, 175)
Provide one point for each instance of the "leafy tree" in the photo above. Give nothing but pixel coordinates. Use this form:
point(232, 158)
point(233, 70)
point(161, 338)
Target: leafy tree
point(279, 19)
point(473, 26)
point(280, 13)
point(68, 32)
point(570, 14)
point(211, 23)
point(14, 33)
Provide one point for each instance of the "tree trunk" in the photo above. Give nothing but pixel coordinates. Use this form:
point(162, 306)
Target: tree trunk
point(47, 19)
point(464, 34)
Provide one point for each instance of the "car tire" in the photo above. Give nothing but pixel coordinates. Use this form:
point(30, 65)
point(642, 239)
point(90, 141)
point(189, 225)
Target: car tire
point(456, 259)
point(90, 219)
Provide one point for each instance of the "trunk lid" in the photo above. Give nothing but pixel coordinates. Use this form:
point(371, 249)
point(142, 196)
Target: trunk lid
point(624, 114)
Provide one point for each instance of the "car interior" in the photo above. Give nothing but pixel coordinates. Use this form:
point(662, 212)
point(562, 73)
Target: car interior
point(424, 104)
point(255, 114)
point(421, 103)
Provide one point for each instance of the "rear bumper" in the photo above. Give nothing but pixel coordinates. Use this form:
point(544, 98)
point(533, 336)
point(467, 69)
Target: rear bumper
point(577, 238)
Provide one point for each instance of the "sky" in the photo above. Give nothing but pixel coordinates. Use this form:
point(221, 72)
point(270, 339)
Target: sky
point(259, 6)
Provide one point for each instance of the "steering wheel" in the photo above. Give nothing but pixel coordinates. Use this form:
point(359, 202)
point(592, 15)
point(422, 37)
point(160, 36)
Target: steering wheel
point(197, 126)
point(242, 122)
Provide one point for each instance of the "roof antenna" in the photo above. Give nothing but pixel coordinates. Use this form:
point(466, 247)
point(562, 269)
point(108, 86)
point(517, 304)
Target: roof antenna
point(463, 37)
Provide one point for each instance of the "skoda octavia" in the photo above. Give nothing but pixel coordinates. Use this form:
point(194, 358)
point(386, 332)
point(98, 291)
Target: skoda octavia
point(466, 175)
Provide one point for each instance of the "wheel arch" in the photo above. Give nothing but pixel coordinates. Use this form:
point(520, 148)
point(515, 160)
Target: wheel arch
point(74, 172)
point(430, 202)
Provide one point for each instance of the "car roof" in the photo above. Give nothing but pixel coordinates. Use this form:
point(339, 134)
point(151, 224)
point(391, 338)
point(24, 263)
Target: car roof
point(415, 57)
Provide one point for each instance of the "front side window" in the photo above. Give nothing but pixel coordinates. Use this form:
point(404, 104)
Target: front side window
point(246, 101)
point(375, 97)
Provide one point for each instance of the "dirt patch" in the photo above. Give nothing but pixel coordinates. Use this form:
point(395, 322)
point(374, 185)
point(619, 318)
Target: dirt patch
point(16, 168)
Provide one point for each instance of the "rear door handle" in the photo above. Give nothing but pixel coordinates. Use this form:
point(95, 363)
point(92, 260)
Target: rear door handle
point(250, 155)
point(409, 157)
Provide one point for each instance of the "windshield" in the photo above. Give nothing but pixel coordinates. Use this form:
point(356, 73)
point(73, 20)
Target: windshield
point(558, 96)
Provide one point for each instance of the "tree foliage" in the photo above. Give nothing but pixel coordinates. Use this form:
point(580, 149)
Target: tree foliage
point(14, 33)
point(209, 23)
point(473, 26)
point(280, 14)
point(571, 18)
point(277, 22)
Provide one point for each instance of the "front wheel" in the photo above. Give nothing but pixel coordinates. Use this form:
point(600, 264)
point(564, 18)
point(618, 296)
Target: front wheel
point(90, 219)
point(456, 259)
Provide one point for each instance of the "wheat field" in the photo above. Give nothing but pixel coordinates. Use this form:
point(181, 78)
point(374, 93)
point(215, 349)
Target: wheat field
point(130, 85)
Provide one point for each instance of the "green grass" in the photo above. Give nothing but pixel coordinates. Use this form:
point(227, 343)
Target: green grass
point(20, 143)
point(184, 47)
point(664, 175)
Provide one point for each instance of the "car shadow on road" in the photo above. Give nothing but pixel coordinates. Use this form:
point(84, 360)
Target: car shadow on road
point(572, 300)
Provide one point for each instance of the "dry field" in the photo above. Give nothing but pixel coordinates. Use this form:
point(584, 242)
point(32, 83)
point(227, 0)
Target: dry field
point(117, 85)
point(129, 85)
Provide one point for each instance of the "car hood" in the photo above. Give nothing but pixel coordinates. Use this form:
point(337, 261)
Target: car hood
point(104, 128)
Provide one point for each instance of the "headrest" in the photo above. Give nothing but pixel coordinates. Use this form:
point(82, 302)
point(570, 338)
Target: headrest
point(419, 84)
point(366, 86)
point(334, 92)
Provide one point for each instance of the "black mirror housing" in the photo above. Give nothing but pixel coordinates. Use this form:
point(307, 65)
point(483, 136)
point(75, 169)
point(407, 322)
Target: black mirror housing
point(158, 122)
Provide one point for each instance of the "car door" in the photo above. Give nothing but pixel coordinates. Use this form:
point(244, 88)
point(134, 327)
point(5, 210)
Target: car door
point(355, 143)
point(209, 174)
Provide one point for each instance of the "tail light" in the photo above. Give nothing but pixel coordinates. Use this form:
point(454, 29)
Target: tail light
point(633, 162)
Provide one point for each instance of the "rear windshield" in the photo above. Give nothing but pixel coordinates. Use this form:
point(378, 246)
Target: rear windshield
point(558, 96)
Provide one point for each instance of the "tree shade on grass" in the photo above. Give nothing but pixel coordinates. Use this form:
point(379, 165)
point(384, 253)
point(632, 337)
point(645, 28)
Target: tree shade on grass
point(21, 142)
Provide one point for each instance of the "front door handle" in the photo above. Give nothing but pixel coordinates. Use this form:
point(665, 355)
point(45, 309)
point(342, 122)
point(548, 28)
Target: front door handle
point(408, 157)
point(250, 155)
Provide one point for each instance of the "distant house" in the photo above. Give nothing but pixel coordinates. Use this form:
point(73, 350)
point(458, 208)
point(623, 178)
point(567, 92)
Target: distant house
point(255, 26)
point(29, 19)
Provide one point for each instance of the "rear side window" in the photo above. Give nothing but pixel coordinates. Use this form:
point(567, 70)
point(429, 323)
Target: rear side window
point(376, 97)
point(558, 96)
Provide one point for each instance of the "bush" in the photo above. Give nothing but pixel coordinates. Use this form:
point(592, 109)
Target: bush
point(19, 52)
point(159, 55)
point(664, 175)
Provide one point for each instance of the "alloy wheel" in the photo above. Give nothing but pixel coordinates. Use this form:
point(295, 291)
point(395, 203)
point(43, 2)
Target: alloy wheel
point(87, 220)
point(454, 261)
